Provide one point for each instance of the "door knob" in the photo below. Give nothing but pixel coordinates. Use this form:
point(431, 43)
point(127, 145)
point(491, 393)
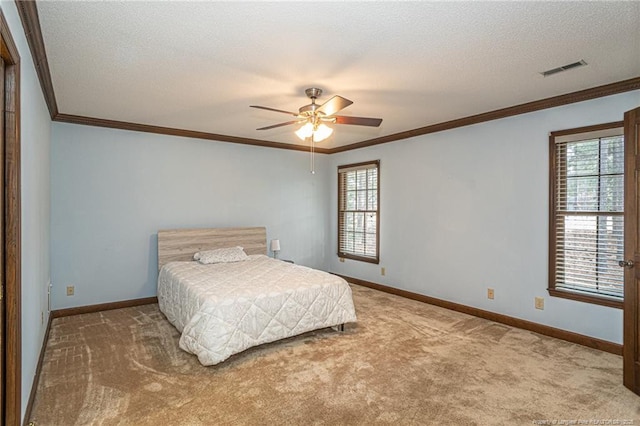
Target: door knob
point(626, 263)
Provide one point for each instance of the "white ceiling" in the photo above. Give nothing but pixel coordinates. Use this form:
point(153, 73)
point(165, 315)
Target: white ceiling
point(199, 65)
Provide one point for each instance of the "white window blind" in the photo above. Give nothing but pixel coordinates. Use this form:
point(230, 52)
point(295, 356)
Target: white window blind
point(358, 211)
point(588, 216)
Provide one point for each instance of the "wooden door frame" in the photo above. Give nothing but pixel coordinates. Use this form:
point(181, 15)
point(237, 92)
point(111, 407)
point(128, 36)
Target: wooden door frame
point(631, 320)
point(12, 241)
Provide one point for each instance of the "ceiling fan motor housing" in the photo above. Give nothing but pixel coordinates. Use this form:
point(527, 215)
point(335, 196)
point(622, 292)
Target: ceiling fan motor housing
point(310, 110)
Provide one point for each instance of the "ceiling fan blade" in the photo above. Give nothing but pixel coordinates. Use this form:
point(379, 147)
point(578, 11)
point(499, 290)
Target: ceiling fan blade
point(358, 121)
point(273, 109)
point(334, 105)
point(279, 125)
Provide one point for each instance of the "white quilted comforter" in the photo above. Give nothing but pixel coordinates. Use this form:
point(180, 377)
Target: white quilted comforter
point(225, 308)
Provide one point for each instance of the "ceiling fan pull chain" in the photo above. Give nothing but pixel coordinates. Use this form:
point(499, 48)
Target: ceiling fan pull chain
point(313, 168)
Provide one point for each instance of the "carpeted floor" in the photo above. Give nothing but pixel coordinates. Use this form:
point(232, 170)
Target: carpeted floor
point(404, 362)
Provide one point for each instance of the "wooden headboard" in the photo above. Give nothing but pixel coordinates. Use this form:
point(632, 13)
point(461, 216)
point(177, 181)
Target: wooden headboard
point(181, 244)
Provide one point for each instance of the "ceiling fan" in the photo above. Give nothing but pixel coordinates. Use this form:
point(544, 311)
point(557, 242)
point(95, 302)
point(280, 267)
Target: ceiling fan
point(315, 116)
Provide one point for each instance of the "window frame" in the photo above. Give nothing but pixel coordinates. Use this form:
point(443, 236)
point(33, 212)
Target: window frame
point(347, 255)
point(580, 134)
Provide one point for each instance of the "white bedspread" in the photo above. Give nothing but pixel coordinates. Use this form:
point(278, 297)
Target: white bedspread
point(225, 308)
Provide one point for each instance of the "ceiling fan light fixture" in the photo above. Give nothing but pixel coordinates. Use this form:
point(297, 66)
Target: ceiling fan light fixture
point(305, 131)
point(313, 115)
point(320, 133)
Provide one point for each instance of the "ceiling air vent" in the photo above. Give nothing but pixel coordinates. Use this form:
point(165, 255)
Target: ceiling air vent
point(567, 67)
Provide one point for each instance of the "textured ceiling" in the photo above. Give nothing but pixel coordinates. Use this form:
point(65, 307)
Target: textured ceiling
point(199, 65)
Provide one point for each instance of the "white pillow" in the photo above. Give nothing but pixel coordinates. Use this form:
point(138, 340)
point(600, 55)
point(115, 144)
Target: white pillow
point(223, 255)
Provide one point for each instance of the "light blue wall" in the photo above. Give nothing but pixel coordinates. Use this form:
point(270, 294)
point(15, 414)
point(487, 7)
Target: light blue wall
point(467, 209)
point(114, 189)
point(35, 144)
point(461, 210)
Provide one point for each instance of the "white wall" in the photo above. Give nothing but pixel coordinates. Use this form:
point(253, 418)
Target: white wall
point(35, 142)
point(467, 209)
point(112, 190)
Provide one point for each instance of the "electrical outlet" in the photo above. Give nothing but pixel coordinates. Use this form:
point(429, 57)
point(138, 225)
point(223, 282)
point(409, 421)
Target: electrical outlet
point(490, 294)
point(539, 303)
point(383, 271)
point(70, 290)
point(341, 259)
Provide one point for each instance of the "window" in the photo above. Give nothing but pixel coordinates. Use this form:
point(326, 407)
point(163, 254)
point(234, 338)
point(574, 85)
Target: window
point(358, 211)
point(587, 214)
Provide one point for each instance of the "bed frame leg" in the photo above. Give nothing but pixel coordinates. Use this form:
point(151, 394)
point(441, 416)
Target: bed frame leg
point(341, 327)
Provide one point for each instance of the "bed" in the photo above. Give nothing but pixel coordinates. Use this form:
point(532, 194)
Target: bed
point(222, 309)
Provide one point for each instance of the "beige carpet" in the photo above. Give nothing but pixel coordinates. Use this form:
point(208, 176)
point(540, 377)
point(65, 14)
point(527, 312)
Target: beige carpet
point(404, 362)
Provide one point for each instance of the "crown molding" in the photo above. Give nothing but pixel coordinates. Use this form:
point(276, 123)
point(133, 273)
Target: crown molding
point(147, 128)
point(31, 23)
point(555, 101)
point(552, 102)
